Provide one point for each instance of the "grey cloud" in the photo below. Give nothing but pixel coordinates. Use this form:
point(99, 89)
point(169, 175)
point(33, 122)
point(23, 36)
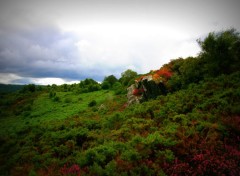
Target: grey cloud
point(46, 53)
point(35, 52)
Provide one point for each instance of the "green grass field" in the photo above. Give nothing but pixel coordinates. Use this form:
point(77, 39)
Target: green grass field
point(44, 108)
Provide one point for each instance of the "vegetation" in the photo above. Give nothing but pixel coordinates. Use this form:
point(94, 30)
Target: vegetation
point(87, 129)
point(9, 88)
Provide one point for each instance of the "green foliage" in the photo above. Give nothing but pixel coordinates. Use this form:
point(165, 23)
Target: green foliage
point(191, 71)
point(119, 89)
point(56, 99)
point(167, 154)
point(156, 138)
point(139, 139)
point(89, 85)
point(111, 80)
point(219, 55)
point(114, 121)
point(29, 88)
point(87, 82)
point(127, 76)
point(130, 155)
point(106, 85)
point(7, 88)
point(52, 94)
point(68, 100)
point(32, 173)
point(220, 52)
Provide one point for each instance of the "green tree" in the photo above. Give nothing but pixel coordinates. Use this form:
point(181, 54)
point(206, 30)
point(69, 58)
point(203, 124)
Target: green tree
point(89, 85)
point(191, 71)
point(106, 85)
point(128, 76)
point(93, 87)
point(29, 88)
point(110, 79)
point(220, 52)
point(86, 82)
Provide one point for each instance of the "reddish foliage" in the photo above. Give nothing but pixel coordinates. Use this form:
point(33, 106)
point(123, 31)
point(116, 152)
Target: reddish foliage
point(233, 123)
point(164, 72)
point(224, 160)
point(123, 165)
point(140, 78)
point(74, 169)
point(124, 106)
point(137, 92)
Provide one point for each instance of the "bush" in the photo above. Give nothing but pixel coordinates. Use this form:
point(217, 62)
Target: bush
point(130, 155)
point(68, 100)
point(70, 170)
point(92, 103)
point(106, 85)
point(52, 94)
point(93, 87)
point(56, 99)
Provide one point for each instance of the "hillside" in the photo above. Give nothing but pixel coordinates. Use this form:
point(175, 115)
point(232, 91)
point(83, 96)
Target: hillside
point(190, 127)
point(10, 88)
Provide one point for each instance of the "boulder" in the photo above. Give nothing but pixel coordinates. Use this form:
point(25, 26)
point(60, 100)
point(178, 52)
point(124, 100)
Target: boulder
point(132, 99)
point(148, 86)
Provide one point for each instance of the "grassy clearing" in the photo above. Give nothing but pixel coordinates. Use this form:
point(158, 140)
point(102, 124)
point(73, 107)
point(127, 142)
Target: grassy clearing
point(44, 109)
point(69, 104)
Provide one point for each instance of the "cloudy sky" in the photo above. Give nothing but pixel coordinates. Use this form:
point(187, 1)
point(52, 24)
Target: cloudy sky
point(64, 41)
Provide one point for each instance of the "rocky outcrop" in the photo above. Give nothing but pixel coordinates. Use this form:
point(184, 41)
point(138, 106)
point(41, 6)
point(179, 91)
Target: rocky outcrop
point(132, 99)
point(148, 86)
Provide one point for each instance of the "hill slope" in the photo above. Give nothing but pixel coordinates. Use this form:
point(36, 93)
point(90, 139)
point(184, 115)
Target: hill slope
point(192, 131)
point(9, 88)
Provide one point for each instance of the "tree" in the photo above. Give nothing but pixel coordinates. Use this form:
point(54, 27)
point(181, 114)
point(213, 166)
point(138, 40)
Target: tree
point(29, 88)
point(87, 82)
point(106, 85)
point(89, 85)
point(220, 52)
point(110, 79)
point(191, 71)
point(127, 76)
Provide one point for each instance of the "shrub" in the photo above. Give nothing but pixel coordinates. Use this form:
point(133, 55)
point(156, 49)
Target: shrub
point(114, 121)
point(106, 85)
point(56, 99)
point(52, 94)
point(130, 155)
point(68, 100)
point(92, 103)
point(70, 170)
point(111, 168)
point(92, 88)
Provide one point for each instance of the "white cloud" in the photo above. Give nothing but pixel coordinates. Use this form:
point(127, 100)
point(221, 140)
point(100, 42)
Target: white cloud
point(139, 46)
point(50, 81)
point(8, 78)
